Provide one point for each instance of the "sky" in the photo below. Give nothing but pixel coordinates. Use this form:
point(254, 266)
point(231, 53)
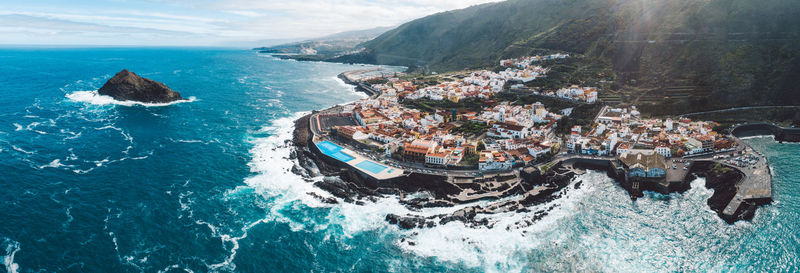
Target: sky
point(201, 22)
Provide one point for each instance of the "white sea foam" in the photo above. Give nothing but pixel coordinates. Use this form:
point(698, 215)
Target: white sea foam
point(12, 248)
point(74, 135)
point(350, 87)
point(495, 249)
point(758, 137)
point(56, 163)
point(227, 263)
point(124, 134)
point(92, 97)
point(69, 220)
point(273, 179)
point(99, 163)
point(174, 267)
point(194, 141)
point(18, 149)
point(502, 248)
point(108, 127)
point(83, 171)
point(29, 127)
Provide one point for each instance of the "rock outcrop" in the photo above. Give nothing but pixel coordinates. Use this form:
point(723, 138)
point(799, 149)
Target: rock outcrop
point(126, 85)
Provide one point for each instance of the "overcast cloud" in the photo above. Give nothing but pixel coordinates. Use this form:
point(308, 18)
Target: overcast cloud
point(200, 22)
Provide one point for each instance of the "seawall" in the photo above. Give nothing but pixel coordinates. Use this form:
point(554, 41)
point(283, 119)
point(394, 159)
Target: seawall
point(360, 87)
point(781, 134)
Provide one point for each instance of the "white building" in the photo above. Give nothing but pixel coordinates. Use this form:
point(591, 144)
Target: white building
point(492, 161)
point(436, 158)
point(663, 150)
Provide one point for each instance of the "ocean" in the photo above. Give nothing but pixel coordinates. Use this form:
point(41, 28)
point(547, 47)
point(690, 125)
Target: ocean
point(89, 184)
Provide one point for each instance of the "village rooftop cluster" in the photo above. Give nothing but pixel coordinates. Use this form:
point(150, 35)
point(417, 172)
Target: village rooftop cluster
point(509, 135)
point(484, 84)
point(503, 136)
point(618, 131)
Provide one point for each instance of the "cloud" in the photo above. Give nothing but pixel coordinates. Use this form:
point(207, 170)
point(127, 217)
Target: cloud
point(28, 29)
point(215, 21)
point(320, 17)
point(51, 24)
point(245, 13)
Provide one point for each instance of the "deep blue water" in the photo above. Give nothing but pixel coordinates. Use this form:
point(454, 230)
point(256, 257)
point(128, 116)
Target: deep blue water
point(92, 186)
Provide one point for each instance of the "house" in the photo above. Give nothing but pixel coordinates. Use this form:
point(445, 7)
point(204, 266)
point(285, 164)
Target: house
point(455, 156)
point(369, 116)
point(381, 136)
point(494, 161)
point(623, 148)
point(644, 165)
point(663, 150)
point(417, 150)
point(538, 151)
point(351, 132)
point(506, 130)
point(437, 157)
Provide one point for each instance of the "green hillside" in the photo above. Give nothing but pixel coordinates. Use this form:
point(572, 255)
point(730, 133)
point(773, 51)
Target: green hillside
point(678, 55)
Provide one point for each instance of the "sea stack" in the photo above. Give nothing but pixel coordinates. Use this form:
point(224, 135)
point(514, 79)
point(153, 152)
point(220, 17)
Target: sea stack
point(126, 85)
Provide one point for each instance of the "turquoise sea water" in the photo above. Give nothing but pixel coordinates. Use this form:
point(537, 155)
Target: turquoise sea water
point(92, 185)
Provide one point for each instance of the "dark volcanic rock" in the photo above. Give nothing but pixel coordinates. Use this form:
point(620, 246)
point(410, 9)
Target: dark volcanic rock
point(407, 222)
point(126, 85)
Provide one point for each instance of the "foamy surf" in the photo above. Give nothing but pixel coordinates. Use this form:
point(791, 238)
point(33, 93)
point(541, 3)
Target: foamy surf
point(56, 163)
point(498, 249)
point(8, 260)
point(92, 97)
point(349, 87)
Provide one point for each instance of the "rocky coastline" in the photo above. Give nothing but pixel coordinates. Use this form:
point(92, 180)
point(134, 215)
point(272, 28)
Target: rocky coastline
point(346, 78)
point(417, 191)
point(724, 185)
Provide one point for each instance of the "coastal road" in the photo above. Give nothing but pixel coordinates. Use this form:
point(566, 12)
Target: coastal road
point(738, 109)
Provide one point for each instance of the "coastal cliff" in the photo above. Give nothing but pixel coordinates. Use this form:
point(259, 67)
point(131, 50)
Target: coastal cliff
point(127, 86)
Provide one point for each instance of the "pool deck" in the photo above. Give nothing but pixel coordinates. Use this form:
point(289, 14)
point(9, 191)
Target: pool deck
point(385, 174)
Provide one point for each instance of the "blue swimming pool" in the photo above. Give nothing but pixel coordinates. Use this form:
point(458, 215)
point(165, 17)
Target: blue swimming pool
point(371, 166)
point(333, 150)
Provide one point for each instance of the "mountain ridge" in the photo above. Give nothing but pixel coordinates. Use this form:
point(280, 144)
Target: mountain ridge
point(672, 53)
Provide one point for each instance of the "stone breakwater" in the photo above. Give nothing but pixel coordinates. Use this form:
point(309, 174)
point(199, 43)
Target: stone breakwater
point(724, 186)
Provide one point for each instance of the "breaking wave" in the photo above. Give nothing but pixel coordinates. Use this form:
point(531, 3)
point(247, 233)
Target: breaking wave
point(92, 97)
point(513, 242)
point(500, 248)
point(8, 260)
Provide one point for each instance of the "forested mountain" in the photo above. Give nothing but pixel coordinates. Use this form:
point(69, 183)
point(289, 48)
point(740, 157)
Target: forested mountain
point(688, 54)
